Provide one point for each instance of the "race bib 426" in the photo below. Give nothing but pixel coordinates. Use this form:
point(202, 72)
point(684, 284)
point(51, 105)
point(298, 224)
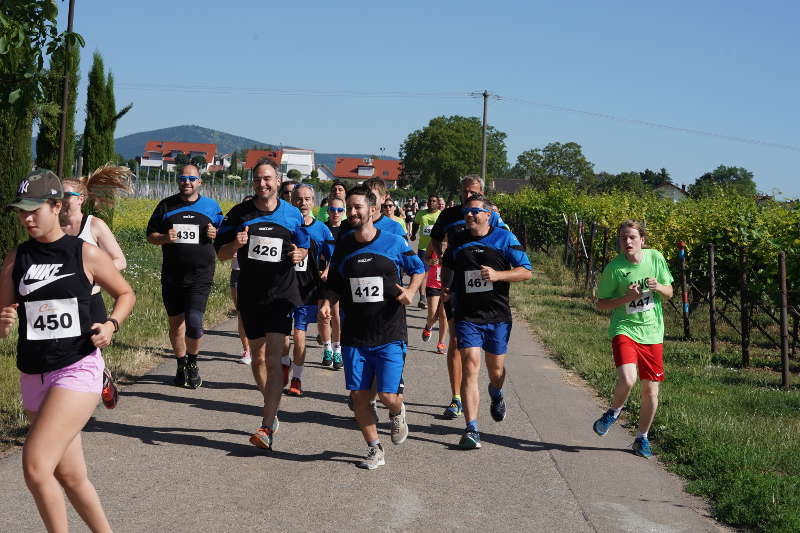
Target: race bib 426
point(265, 249)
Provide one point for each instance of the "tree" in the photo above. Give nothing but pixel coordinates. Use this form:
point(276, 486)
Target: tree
point(624, 181)
point(28, 33)
point(438, 155)
point(294, 174)
point(655, 179)
point(557, 163)
point(48, 140)
point(734, 179)
point(314, 174)
point(199, 161)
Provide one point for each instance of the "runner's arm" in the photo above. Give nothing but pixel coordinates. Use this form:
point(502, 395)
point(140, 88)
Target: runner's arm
point(8, 305)
point(106, 241)
point(606, 304)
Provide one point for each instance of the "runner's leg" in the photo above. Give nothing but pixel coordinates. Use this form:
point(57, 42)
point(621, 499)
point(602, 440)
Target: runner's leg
point(274, 386)
point(259, 364)
point(626, 378)
point(649, 404)
point(177, 335)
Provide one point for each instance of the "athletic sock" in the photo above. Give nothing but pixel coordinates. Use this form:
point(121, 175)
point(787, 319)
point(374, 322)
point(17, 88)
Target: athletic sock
point(329, 345)
point(457, 398)
point(640, 434)
point(472, 425)
point(496, 394)
point(337, 347)
point(375, 443)
point(286, 360)
point(297, 371)
point(616, 412)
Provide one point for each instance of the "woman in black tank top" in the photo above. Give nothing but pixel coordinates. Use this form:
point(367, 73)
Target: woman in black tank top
point(45, 286)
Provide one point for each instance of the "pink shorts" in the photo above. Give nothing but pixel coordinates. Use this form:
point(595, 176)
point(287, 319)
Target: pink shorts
point(85, 375)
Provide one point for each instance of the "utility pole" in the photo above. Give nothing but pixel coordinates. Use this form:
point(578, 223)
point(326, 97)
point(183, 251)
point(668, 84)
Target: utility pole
point(65, 94)
point(483, 148)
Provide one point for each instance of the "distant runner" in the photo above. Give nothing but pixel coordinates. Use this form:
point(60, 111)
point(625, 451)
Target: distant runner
point(423, 224)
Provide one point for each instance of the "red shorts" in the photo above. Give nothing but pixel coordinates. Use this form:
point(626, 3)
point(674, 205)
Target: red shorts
point(648, 358)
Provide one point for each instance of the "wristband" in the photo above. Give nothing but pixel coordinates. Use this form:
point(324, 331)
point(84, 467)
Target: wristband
point(114, 323)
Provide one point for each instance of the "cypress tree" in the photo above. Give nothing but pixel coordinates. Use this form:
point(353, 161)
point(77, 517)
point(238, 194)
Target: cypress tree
point(47, 142)
point(97, 117)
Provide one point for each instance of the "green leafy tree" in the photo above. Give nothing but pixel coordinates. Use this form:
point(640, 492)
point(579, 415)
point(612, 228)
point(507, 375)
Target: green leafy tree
point(199, 161)
point(294, 174)
point(622, 182)
point(737, 180)
point(314, 174)
point(28, 33)
point(48, 140)
point(557, 163)
point(655, 179)
point(436, 156)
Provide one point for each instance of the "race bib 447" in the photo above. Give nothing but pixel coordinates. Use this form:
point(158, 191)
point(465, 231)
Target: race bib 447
point(643, 303)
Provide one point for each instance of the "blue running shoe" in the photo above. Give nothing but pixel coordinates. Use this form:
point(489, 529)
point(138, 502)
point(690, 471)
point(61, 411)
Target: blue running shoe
point(641, 447)
point(454, 410)
point(497, 408)
point(327, 358)
point(337, 361)
point(470, 440)
point(602, 424)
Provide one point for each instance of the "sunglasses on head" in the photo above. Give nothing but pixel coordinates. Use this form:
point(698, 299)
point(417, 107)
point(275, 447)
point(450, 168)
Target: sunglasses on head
point(188, 178)
point(473, 210)
point(336, 209)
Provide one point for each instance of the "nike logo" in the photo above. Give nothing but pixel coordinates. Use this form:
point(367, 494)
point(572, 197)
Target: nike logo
point(625, 274)
point(25, 290)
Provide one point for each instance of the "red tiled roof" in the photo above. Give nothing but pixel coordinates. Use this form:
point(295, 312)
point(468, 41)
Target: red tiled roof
point(214, 168)
point(254, 156)
point(165, 147)
point(386, 169)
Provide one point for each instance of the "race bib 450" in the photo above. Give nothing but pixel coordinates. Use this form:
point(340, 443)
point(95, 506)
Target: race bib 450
point(52, 319)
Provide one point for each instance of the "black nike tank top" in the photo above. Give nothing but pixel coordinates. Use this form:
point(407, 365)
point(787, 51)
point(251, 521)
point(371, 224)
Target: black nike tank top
point(53, 293)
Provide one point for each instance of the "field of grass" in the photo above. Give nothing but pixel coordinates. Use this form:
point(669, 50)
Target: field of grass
point(732, 433)
point(142, 341)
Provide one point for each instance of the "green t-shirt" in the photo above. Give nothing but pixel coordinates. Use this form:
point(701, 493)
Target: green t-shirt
point(642, 320)
point(322, 214)
point(425, 220)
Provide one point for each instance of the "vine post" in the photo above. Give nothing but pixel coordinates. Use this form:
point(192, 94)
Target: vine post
point(744, 306)
point(684, 290)
point(712, 297)
point(784, 321)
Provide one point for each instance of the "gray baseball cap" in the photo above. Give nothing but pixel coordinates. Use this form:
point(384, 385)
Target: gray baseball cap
point(38, 187)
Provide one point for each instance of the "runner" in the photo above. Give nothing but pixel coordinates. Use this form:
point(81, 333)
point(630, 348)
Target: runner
point(449, 224)
point(433, 290)
point(46, 282)
point(184, 225)
point(246, 358)
point(633, 286)
point(308, 279)
point(268, 237)
point(330, 331)
point(365, 275)
point(383, 223)
point(423, 223)
point(481, 262)
point(286, 195)
point(390, 209)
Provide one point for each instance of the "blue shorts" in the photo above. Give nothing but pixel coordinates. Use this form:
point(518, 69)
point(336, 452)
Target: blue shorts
point(304, 315)
point(383, 364)
point(422, 254)
point(493, 338)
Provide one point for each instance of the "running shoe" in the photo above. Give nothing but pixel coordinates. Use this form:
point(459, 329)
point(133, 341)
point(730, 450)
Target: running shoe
point(441, 349)
point(454, 410)
point(497, 408)
point(373, 459)
point(262, 438)
point(180, 374)
point(470, 440)
point(193, 379)
point(399, 426)
point(327, 358)
point(286, 369)
point(337, 361)
point(246, 359)
point(426, 334)
point(641, 447)
point(604, 423)
point(296, 388)
point(109, 394)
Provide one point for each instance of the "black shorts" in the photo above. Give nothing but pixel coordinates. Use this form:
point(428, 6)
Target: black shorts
point(430, 291)
point(179, 298)
point(234, 278)
point(260, 318)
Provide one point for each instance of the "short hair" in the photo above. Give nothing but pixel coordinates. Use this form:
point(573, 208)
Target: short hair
point(339, 182)
point(304, 186)
point(634, 224)
point(191, 165)
point(334, 199)
point(471, 178)
point(282, 188)
point(363, 190)
point(482, 199)
point(377, 184)
point(269, 162)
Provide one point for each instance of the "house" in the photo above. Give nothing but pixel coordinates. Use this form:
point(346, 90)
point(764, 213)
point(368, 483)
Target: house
point(162, 154)
point(254, 156)
point(508, 185)
point(672, 192)
point(298, 159)
point(325, 173)
point(360, 169)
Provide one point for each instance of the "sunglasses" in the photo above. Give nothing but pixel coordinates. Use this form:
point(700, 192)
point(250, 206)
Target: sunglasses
point(336, 209)
point(188, 178)
point(71, 193)
point(387, 206)
point(473, 211)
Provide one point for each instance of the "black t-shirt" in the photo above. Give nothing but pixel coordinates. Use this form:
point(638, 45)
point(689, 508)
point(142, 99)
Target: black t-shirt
point(191, 259)
point(364, 277)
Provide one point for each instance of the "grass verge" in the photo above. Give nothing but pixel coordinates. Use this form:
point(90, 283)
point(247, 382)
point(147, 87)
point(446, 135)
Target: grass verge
point(142, 341)
point(732, 433)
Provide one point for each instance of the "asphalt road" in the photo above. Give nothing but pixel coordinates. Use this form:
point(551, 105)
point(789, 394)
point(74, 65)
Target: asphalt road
point(170, 459)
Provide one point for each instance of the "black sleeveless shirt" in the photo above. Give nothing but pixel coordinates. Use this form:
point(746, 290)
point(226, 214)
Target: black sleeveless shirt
point(53, 293)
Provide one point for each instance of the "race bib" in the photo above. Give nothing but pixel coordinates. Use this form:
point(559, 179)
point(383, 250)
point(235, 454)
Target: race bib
point(265, 249)
point(302, 266)
point(52, 319)
point(366, 290)
point(474, 283)
point(426, 230)
point(645, 303)
point(187, 233)
point(439, 274)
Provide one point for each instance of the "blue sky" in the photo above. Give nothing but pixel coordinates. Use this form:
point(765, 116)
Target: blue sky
point(323, 73)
